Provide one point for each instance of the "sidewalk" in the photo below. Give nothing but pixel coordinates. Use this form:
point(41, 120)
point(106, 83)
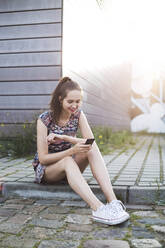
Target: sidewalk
point(137, 175)
point(53, 216)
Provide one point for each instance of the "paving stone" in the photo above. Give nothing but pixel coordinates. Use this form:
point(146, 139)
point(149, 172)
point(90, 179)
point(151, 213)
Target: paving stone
point(59, 244)
point(86, 211)
point(80, 228)
point(2, 219)
point(69, 235)
point(38, 233)
point(78, 219)
point(152, 221)
point(20, 201)
point(4, 160)
point(161, 207)
point(124, 183)
point(47, 202)
point(138, 207)
point(74, 203)
point(127, 177)
point(52, 216)
point(6, 212)
point(160, 229)
point(46, 223)
point(114, 233)
point(14, 206)
point(140, 232)
point(57, 210)
point(18, 242)
point(106, 244)
point(146, 214)
point(2, 235)
point(33, 209)
point(144, 184)
point(10, 179)
point(25, 179)
point(8, 227)
point(19, 219)
point(145, 243)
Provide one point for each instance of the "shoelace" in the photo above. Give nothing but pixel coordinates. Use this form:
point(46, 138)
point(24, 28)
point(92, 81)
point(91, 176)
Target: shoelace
point(120, 205)
point(116, 206)
point(104, 211)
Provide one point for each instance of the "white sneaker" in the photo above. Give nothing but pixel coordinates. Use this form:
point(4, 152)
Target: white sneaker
point(118, 209)
point(104, 215)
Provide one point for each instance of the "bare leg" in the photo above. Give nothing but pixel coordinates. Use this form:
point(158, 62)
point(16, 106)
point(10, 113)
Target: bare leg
point(100, 172)
point(68, 167)
point(81, 160)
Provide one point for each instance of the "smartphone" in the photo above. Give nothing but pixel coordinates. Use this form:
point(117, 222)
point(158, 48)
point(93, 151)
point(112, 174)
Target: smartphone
point(89, 141)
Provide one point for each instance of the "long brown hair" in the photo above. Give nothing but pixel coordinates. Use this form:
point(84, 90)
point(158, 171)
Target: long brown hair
point(65, 84)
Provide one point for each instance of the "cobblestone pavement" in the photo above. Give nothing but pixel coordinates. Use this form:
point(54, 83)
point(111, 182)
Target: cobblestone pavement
point(32, 223)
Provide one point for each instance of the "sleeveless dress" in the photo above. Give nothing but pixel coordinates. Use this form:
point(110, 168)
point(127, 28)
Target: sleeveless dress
point(69, 129)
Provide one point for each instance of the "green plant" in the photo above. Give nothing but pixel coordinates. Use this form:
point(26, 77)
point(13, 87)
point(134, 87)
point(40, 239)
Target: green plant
point(108, 140)
point(23, 144)
point(158, 201)
point(135, 217)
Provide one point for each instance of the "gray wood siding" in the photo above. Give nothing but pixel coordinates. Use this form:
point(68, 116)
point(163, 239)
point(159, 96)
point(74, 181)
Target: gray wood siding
point(106, 99)
point(30, 59)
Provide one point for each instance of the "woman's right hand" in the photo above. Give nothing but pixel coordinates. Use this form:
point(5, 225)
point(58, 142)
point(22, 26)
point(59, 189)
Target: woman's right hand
point(81, 148)
point(53, 138)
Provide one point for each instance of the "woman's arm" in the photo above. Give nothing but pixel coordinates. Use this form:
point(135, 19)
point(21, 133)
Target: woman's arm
point(42, 147)
point(85, 129)
point(73, 140)
point(52, 138)
point(94, 155)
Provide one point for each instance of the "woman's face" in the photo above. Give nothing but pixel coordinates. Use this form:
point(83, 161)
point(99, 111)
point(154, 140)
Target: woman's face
point(72, 101)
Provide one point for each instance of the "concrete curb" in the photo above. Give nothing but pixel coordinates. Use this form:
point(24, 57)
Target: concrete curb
point(145, 195)
point(129, 195)
point(59, 191)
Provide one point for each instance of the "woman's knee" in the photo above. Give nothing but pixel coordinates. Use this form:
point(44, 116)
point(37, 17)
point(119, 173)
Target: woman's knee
point(67, 162)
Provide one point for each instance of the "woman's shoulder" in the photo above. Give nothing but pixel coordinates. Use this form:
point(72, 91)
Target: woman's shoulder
point(46, 117)
point(44, 114)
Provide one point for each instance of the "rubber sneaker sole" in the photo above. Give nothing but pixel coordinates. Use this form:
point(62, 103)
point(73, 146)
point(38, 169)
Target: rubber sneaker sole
point(120, 220)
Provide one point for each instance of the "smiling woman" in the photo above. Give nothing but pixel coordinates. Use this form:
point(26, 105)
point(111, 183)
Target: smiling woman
point(61, 155)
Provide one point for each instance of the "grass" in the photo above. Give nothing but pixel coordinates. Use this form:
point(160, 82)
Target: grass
point(108, 140)
point(24, 144)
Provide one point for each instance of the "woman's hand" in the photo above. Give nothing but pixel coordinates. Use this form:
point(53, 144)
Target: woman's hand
point(80, 148)
point(53, 138)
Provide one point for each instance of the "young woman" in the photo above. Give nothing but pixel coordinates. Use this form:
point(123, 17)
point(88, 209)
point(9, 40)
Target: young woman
point(60, 154)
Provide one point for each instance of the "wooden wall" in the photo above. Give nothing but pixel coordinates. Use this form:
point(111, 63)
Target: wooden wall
point(30, 58)
point(106, 95)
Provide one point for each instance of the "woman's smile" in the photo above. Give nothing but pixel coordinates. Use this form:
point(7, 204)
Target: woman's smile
point(72, 109)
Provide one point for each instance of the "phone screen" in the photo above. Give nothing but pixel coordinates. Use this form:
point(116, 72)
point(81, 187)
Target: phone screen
point(89, 141)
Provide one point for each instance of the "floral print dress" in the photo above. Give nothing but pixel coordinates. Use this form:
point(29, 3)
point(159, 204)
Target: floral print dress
point(69, 129)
